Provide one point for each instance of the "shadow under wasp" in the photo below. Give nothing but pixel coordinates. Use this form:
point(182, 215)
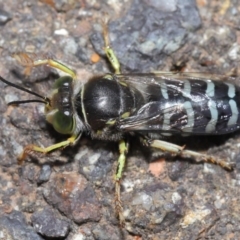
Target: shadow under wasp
point(115, 106)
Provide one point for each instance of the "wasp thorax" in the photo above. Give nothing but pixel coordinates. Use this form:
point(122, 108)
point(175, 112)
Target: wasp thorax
point(59, 112)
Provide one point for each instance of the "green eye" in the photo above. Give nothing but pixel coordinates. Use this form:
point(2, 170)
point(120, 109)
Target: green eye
point(63, 122)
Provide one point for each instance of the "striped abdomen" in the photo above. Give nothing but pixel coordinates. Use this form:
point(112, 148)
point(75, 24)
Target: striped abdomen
point(195, 106)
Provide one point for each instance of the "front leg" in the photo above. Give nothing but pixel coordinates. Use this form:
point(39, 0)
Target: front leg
point(28, 62)
point(43, 150)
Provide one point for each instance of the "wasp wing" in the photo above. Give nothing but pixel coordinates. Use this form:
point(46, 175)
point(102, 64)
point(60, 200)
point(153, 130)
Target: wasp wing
point(182, 103)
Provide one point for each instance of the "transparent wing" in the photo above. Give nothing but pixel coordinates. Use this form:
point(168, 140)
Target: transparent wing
point(168, 115)
point(129, 77)
point(173, 119)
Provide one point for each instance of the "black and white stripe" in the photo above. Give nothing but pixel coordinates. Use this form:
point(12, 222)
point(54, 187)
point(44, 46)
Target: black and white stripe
point(197, 106)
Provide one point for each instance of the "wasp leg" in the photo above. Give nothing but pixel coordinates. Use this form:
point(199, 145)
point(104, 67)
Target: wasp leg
point(123, 149)
point(178, 150)
point(112, 58)
point(29, 63)
point(33, 148)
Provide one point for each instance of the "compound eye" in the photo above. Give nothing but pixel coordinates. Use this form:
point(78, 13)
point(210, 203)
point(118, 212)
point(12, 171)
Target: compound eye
point(63, 122)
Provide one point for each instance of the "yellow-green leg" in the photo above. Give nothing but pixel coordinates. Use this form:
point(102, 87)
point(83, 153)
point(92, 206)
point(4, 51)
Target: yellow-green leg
point(123, 146)
point(181, 151)
point(29, 63)
point(109, 51)
point(123, 149)
point(33, 148)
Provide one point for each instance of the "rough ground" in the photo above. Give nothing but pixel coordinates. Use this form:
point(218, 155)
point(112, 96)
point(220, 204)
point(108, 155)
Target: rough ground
point(70, 194)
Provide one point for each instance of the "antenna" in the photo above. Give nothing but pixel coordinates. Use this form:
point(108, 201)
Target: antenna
point(45, 99)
